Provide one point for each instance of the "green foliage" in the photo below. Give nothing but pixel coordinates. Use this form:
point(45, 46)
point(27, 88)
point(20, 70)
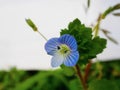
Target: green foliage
point(44, 81)
point(31, 24)
point(75, 85)
point(68, 71)
point(96, 46)
point(88, 46)
point(103, 85)
point(11, 78)
point(111, 69)
point(103, 16)
point(111, 9)
point(104, 76)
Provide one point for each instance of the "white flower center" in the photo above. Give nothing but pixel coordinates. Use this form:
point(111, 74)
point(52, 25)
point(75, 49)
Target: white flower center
point(63, 49)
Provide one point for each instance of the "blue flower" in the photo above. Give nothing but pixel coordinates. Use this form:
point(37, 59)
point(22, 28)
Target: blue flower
point(63, 50)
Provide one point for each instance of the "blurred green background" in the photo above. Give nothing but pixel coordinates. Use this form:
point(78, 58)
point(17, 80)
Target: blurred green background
point(104, 75)
point(101, 73)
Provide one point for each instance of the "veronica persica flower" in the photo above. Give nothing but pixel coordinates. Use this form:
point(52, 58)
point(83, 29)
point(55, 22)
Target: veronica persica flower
point(63, 50)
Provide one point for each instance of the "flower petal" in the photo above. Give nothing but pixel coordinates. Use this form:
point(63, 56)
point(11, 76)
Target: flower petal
point(68, 40)
point(72, 59)
point(57, 60)
point(51, 46)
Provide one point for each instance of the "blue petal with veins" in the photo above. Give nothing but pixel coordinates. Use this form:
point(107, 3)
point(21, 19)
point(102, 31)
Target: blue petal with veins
point(63, 50)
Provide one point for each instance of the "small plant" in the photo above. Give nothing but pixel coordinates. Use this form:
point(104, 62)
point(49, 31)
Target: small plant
point(74, 50)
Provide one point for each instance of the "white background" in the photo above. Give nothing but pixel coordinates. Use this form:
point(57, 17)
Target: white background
point(23, 48)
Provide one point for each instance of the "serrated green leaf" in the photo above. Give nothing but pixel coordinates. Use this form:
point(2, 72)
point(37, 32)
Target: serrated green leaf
point(74, 25)
point(103, 85)
point(64, 31)
point(96, 46)
point(111, 9)
point(87, 47)
point(31, 24)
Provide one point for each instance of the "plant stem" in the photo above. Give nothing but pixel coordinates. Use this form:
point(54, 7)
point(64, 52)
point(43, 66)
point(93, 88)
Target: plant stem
point(87, 70)
point(42, 35)
point(97, 26)
point(81, 77)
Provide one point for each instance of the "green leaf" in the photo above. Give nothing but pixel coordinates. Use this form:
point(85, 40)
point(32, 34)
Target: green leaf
point(111, 68)
point(75, 85)
point(108, 69)
point(96, 46)
point(111, 9)
point(44, 81)
point(68, 71)
point(117, 82)
point(31, 24)
point(103, 85)
point(87, 47)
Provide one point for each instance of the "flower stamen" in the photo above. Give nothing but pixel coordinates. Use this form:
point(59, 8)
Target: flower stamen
point(63, 49)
